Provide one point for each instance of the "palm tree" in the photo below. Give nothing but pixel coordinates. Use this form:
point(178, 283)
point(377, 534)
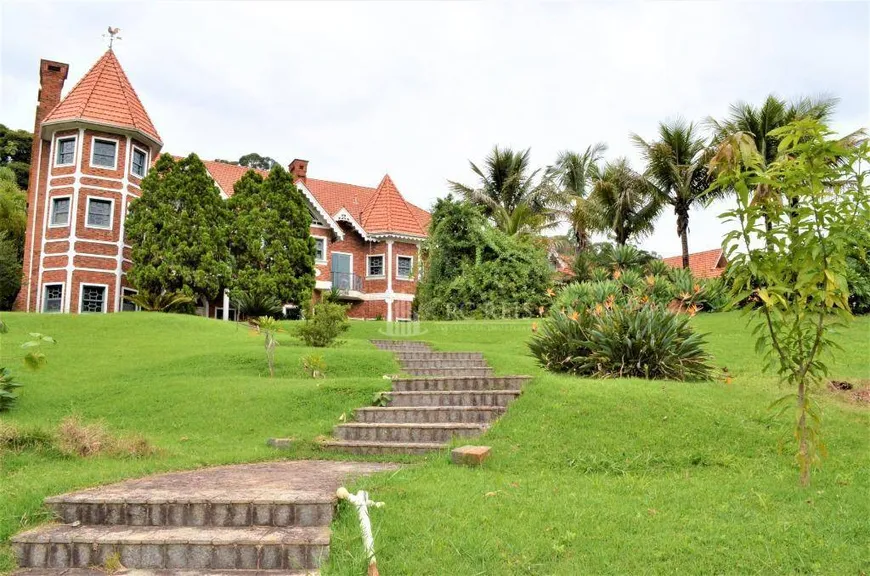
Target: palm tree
point(773, 113)
point(757, 122)
point(570, 179)
point(625, 201)
point(509, 193)
point(676, 170)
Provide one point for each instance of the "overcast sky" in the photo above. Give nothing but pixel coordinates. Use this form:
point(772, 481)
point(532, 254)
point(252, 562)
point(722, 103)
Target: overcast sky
point(417, 89)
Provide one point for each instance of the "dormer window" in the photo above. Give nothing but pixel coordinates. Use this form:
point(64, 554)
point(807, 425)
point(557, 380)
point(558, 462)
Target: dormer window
point(104, 153)
point(139, 162)
point(66, 152)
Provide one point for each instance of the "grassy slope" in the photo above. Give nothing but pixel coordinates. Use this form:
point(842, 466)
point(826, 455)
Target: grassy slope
point(587, 477)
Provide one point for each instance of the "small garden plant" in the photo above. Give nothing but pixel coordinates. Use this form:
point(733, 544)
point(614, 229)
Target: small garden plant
point(269, 328)
point(314, 366)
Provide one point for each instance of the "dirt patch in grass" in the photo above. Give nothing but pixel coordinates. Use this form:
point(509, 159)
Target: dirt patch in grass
point(855, 392)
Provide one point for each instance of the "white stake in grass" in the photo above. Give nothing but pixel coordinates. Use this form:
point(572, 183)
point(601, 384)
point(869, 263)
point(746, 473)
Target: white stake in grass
point(361, 501)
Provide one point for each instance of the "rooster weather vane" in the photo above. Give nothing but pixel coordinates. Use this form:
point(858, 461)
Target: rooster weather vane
point(112, 35)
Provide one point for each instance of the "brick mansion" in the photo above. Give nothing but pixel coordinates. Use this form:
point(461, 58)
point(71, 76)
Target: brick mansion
point(91, 150)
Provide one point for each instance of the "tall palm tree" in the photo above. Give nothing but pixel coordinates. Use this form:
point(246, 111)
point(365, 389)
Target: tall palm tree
point(774, 112)
point(570, 179)
point(625, 201)
point(758, 121)
point(676, 169)
point(510, 193)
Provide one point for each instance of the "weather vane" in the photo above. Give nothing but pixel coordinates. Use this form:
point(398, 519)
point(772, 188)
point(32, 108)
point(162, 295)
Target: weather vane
point(112, 35)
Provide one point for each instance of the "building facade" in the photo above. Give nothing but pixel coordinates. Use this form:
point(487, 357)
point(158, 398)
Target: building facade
point(91, 150)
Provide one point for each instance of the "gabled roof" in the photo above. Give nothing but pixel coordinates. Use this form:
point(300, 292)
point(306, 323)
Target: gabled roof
point(708, 264)
point(105, 96)
point(387, 212)
point(378, 211)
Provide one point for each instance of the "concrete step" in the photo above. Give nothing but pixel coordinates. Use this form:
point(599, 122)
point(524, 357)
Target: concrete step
point(436, 414)
point(402, 345)
point(460, 372)
point(241, 510)
point(170, 547)
point(454, 398)
point(404, 356)
point(149, 572)
point(369, 448)
point(414, 433)
point(409, 365)
point(459, 383)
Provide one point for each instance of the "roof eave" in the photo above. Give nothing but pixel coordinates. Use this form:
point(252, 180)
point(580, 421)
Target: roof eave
point(70, 123)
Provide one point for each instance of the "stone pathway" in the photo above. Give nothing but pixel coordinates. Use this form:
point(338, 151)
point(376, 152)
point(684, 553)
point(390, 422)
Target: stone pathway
point(450, 394)
point(271, 519)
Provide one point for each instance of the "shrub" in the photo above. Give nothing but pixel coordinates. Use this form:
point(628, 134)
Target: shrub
point(162, 302)
point(858, 278)
point(327, 322)
point(641, 341)
point(708, 294)
point(8, 397)
point(75, 438)
point(256, 303)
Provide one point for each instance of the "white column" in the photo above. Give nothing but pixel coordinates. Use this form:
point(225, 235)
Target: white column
point(226, 305)
point(389, 298)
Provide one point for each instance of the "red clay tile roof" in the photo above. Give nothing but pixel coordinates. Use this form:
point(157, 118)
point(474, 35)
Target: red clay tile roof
point(387, 212)
point(226, 175)
point(377, 210)
point(105, 95)
point(708, 264)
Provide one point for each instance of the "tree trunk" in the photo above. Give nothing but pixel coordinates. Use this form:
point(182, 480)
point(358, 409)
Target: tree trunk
point(684, 239)
point(804, 449)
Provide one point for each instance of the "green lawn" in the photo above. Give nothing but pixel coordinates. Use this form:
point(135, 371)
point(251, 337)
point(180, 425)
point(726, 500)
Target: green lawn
point(614, 476)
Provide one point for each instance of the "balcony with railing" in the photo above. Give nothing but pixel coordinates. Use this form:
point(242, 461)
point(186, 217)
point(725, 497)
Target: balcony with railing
point(348, 284)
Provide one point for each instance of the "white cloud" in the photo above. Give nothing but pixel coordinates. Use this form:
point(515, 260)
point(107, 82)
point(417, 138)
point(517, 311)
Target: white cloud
point(418, 89)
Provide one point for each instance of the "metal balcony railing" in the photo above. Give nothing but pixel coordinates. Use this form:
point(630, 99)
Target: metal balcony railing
point(346, 282)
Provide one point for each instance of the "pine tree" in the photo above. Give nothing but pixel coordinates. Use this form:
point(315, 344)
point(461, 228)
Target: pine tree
point(271, 240)
point(179, 230)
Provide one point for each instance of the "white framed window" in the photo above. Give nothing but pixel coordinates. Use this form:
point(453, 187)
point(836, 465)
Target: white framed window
point(319, 249)
point(52, 300)
point(139, 162)
point(99, 213)
point(126, 305)
point(104, 153)
point(66, 151)
point(60, 207)
point(93, 298)
point(404, 267)
point(375, 266)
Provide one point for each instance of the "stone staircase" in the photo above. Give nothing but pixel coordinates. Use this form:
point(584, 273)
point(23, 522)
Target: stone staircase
point(265, 519)
point(450, 394)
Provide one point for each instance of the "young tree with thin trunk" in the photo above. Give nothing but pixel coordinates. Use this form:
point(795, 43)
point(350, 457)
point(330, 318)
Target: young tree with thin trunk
point(787, 257)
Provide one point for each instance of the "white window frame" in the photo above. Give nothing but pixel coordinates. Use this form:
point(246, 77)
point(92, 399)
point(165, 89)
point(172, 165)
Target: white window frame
point(124, 292)
point(51, 212)
point(383, 258)
point(133, 150)
point(410, 276)
point(94, 149)
point(325, 258)
point(111, 212)
point(57, 142)
point(45, 288)
point(105, 287)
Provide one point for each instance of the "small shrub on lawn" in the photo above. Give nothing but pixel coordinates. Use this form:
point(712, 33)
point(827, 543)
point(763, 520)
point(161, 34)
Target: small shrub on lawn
point(8, 397)
point(633, 340)
point(253, 303)
point(17, 439)
point(327, 322)
point(314, 366)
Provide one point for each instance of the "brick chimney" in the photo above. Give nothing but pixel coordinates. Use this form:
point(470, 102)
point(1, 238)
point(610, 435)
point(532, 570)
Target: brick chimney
point(299, 169)
point(51, 78)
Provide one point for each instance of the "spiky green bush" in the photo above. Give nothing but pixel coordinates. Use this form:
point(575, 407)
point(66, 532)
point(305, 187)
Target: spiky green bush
point(639, 341)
